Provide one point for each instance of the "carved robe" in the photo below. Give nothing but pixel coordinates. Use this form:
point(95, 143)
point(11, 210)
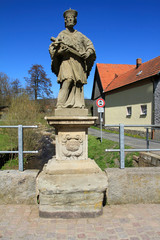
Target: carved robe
point(71, 65)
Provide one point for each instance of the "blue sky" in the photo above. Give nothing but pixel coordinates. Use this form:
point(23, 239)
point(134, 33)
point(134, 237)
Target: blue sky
point(121, 31)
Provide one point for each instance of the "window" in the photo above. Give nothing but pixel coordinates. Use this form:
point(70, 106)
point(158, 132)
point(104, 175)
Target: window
point(129, 111)
point(143, 110)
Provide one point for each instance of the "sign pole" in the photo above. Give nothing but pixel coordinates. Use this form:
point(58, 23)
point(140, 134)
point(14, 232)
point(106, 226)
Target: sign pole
point(101, 125)
point(100, 104)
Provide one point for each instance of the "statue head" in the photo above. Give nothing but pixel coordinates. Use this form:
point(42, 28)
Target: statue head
point(70, 17)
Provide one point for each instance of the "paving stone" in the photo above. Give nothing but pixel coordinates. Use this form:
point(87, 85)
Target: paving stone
point(71, 238)
point(81, 235)
point(134, 238)
point(143, 224)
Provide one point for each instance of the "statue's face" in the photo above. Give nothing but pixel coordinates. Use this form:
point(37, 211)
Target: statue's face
point(70, 21)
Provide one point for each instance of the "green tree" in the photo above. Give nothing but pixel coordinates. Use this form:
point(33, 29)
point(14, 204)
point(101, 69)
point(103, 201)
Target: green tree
point(38, 85)
point(16, 88)
point(5, 91)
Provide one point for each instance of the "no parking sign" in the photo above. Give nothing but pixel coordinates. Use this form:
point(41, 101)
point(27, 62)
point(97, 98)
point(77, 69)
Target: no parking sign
point(100, 102)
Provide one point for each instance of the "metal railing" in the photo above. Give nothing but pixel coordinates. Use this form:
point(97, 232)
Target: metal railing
point(20, 144)
point(122, 149)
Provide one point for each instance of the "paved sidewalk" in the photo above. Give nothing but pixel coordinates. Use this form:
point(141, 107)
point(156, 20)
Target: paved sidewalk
point(119, 222)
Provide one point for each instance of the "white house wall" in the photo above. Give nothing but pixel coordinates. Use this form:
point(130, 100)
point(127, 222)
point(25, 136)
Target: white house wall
point(117, 103)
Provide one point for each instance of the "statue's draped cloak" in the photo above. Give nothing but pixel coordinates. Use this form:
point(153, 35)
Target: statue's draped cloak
point(69, 65)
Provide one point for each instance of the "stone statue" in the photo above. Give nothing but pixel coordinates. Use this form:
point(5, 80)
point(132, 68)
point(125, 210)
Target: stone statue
point(72, 55)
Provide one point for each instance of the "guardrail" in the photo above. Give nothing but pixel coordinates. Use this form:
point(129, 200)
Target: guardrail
point(20, 144)
point(122, 149)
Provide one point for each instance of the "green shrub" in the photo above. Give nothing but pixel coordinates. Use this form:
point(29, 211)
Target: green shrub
point(23, 111)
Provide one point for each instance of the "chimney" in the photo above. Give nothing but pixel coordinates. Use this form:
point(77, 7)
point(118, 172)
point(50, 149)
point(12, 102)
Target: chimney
point(138, 62)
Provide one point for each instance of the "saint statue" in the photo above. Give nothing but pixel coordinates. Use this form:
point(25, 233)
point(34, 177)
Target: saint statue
point(73, 56)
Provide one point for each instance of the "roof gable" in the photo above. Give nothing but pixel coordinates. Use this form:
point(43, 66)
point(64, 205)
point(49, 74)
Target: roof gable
point(97, 89)
point(144, 71)
point(108, 72)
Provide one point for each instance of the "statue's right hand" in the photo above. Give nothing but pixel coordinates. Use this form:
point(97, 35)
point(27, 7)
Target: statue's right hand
point(63, 49)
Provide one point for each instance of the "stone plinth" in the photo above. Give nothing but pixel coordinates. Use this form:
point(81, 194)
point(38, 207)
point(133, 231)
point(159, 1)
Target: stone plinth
point(71, 167)
point(71, 195)
point(71, 136)
point(71, 185)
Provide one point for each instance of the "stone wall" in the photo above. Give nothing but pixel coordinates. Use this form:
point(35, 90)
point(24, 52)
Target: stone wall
point(129, 185)
point(147, 160)
point(133, 185)
point(18, 187)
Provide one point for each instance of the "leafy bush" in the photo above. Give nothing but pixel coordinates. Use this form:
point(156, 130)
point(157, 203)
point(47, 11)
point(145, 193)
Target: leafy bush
point(23, 111)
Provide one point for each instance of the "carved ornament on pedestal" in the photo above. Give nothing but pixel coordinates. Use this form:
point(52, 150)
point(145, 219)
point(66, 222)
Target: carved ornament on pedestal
point(72, 146)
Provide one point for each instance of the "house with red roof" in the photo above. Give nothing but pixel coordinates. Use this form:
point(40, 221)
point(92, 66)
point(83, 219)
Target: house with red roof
point(131, 92)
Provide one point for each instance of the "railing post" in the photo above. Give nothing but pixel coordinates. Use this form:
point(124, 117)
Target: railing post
point(20, 147)
point(147, 138)
point(121, 145)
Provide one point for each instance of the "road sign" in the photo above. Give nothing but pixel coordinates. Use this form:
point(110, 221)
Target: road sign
point(100, 109)
point(100, 102)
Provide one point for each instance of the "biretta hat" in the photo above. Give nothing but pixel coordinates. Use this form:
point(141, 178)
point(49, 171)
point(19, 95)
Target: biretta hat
point(70, 11)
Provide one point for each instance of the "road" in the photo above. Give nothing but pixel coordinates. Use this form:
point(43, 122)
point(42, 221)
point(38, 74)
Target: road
point(129, 141)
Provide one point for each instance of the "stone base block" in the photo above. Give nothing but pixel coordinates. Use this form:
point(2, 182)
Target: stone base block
point(71, 195)
point(71, 167)
point(46, 212)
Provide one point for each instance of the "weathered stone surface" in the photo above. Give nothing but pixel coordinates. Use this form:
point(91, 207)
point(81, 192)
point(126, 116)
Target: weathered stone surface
point(71, 112)
point(71, 136)
point(47, 212)
point(71, 144)
point(133, 185)
point(18, 187)
point(71, 183)
point(71, 195)
point(69, 199)
point(71, 167)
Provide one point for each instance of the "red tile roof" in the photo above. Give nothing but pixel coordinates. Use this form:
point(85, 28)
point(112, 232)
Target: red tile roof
point(144, 71)
point(108, 72)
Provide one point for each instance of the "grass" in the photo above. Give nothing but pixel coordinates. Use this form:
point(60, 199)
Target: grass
point(10, 164)
point(96, 151)
point(6, 144)
point(5, 141)
point(117, 132)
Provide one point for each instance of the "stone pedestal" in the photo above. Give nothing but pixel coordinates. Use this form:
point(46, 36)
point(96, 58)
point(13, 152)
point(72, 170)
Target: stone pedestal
point(71, 136)
point(71, 185)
